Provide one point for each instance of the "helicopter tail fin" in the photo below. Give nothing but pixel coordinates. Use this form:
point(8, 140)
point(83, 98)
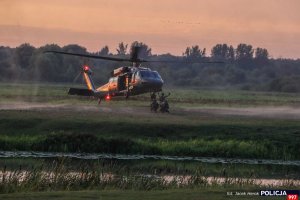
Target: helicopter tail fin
point(87, 77)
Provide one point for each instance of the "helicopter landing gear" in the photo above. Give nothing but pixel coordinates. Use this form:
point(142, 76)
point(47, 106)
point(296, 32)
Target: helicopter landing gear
point(126, 95)
point(99, 101)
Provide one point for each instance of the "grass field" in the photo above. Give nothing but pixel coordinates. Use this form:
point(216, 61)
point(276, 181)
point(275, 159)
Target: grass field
point(70, 131)
point(57, 93)
point(45, 118)
point(130, 128)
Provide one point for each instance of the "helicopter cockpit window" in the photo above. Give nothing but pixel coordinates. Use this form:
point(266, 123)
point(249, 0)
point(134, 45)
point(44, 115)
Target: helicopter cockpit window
point(133, 76)
point(156, 74)
point(149, 74)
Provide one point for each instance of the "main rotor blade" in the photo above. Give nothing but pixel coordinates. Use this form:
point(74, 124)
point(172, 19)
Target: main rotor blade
point(90, 56)
point(134, 59)
point(184, 62)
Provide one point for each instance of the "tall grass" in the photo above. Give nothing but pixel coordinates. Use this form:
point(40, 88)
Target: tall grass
point(90, 143)
point(157, 167)
point(59, 176)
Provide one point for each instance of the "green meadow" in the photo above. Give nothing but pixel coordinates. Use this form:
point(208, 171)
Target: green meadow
point(78, 125)
point(44, 118)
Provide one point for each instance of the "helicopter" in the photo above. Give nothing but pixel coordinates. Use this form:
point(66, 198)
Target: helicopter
point(124, 81)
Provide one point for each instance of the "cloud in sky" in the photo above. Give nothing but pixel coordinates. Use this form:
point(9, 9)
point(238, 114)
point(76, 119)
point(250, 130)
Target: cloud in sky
point(167, 26)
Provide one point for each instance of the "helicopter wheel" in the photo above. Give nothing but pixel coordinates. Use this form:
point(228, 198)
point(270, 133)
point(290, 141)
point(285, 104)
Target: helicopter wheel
point(99, 101)
point(126, 95)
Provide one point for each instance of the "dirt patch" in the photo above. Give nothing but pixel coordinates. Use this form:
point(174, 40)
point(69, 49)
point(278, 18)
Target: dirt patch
point(95, 108)
point(263, 112)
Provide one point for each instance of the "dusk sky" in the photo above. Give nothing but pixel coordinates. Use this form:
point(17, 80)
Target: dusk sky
point(165, 25)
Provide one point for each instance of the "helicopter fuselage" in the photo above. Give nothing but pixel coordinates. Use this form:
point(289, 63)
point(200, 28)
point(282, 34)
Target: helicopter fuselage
point(130, 81)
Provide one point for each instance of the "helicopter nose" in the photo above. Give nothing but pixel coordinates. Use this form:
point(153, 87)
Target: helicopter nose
point(153, 83)
point(160, 83)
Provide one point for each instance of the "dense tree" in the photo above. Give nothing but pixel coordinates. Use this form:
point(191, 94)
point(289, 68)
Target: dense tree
point(104, 51)
point(5, 57)
point(74, 48)
point(144, 51)
point(71, 65)
point(39, 68)
point(5, 53)
point(261, 56)
point(6, 63)
point(244, 55)
point(122, 49)
point(235, 76)
point(286, 84)
point(194, 52)
point(223, 52)
point(244, 51)
point(245, 67)
point(23, 55)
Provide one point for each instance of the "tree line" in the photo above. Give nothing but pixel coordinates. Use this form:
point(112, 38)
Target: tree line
point(245, 67)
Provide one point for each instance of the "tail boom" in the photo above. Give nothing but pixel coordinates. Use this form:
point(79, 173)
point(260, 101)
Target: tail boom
point(80, 92)
point(88, 80)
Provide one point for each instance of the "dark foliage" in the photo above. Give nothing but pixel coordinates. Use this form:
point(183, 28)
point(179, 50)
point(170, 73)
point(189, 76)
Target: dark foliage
point(245, 67)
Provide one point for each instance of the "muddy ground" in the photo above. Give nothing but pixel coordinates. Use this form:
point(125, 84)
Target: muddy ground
point(278, 112)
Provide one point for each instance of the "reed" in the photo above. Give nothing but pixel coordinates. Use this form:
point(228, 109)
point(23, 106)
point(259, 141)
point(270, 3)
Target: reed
point(59, 177)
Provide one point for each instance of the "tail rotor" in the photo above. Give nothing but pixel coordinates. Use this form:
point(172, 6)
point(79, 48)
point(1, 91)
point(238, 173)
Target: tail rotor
point(77, 77)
